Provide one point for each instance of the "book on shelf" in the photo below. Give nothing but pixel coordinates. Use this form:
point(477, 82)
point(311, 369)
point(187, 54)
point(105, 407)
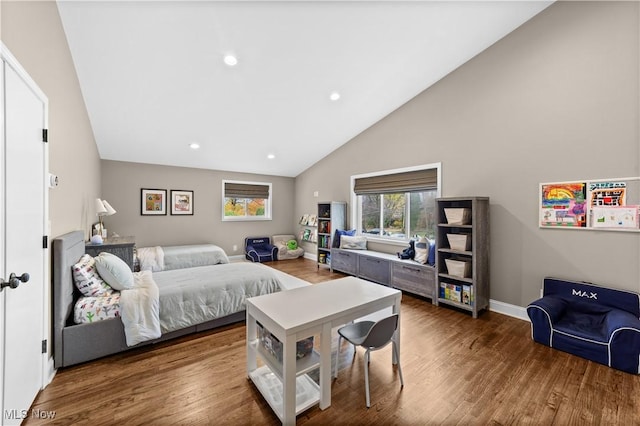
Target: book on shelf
point(451, 292)
point(306, 234)
point(467, 295)
point(304, 220)
point(313, 219)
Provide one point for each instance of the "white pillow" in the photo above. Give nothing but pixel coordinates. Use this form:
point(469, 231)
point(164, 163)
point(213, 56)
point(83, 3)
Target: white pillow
point(354, 243)
point(87, 278)
point(422, 250)
point(114, 271)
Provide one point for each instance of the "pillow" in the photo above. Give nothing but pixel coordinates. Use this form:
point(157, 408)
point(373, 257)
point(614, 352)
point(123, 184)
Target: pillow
point(422, 250)
point(354, 243)
point(431, 258)
point(114, 271)
point(292, 244)
point(87, 278)
point(339, 233)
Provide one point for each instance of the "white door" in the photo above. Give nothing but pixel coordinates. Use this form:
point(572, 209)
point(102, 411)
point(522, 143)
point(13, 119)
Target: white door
point(23, 204)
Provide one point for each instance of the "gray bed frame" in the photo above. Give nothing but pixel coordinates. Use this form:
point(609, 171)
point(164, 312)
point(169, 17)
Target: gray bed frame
point(77, 343)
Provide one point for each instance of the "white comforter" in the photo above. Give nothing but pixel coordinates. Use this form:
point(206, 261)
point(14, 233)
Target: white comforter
point(165, 301)
point(159, 258)
point(195, 295)
point(139, 309)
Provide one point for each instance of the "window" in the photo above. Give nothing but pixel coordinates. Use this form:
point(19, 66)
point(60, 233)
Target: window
point(246, 200)
point(395, 205)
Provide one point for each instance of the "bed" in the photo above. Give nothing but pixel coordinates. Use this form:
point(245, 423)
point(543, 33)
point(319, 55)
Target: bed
point(76, 343)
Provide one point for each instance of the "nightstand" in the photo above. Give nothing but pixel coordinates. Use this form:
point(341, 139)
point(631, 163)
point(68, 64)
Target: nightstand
point(118, 246)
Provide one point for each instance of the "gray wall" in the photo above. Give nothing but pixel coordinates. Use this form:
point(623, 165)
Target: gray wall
point(33, 32)
point(557, 100)
point(121, 184)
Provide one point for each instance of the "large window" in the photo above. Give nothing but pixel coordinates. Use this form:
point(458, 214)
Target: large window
point(246, 200)
point(396, 205)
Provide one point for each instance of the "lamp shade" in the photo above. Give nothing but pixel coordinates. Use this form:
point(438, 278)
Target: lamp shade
point(103, 208)
point(100, 208)
point(107, 206)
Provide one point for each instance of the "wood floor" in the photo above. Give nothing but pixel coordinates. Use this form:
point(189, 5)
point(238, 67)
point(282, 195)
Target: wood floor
point(457, 371)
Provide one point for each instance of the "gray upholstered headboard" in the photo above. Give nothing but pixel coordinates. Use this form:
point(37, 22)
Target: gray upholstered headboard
point(67, 250)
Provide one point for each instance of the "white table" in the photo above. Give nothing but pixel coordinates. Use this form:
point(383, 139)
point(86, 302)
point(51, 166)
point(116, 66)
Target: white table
point(299, 313)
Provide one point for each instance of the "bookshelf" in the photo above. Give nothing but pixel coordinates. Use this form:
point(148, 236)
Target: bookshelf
point(331, 215)
point(462, 255)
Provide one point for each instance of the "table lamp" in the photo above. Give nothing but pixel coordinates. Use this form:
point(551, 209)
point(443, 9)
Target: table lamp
point(103, 208)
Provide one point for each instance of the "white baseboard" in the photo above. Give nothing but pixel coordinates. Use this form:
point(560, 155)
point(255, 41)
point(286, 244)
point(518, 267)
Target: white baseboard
point(310, 256)
point(508, 309)
point(50, 373)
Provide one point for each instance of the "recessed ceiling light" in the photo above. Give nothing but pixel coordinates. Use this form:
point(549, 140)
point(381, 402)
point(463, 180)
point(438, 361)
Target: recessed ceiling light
point(334, 96)
point(271, 156)
point(194, 146)
point(230, 60)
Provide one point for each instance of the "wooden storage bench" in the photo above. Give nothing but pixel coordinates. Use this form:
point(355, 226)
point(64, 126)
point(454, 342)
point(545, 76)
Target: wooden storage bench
point(386, 269)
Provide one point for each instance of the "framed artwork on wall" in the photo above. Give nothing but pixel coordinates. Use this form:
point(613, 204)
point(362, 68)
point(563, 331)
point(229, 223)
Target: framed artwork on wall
point(153, 202)
point(599, 204)
point(181, 202)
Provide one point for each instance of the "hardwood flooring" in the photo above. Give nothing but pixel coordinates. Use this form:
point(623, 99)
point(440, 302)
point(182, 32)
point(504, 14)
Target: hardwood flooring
point(457, 371)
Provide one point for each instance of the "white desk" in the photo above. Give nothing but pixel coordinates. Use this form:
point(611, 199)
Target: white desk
point(299, 313)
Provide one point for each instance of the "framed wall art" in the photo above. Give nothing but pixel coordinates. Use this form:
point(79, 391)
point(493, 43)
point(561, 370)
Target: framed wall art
point(181, 202)
point(599, 204)
point(153, 202)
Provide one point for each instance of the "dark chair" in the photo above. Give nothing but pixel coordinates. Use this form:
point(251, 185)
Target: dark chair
point(260, 249)
point(597, 323)
point(372, 336)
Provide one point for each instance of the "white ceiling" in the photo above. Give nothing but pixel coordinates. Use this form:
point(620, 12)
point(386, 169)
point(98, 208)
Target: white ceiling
point(153, 79)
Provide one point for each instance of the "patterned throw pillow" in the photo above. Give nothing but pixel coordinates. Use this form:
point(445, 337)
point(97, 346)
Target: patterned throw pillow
point(88, 280)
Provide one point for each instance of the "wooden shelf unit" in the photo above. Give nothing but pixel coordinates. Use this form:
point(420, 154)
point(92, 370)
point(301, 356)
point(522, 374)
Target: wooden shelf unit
point(475, 284)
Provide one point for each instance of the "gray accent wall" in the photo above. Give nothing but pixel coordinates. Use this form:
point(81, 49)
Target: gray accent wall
point(33, 32)
point(122, 182)
point(556, 100)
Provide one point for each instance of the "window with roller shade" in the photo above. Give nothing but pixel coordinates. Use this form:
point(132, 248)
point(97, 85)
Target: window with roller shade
point(246, 200)
point(396, 205)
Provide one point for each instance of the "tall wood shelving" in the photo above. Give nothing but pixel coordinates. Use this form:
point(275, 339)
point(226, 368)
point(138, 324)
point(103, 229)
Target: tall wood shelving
point(476, 282)
point(332, 215)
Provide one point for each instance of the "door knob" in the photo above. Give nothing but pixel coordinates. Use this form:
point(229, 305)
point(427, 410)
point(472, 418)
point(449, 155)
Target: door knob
point(14, 280)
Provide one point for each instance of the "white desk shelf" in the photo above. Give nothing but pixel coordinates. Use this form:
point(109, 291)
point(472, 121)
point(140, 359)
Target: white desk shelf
point(303, 365)
point(270, 386)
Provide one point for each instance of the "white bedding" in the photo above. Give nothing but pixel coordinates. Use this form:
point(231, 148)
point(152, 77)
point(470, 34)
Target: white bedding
point(169, 300)
point(196, 295)
point(96, 308)
point(164, 258)
point(139, 309)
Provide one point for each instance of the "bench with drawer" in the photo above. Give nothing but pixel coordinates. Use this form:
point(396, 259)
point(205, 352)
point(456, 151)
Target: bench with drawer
point(386, 269)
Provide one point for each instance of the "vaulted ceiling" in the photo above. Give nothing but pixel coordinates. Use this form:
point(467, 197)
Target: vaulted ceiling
point(154, 79)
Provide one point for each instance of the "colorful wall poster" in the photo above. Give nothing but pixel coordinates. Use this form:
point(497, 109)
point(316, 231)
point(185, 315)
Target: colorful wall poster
point(607, 193)
point(615, 217)
point(563, 204)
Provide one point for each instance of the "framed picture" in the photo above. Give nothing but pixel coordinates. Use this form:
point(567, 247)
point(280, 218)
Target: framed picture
point(563, 204)
point(181, 202)
point(153, 202)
